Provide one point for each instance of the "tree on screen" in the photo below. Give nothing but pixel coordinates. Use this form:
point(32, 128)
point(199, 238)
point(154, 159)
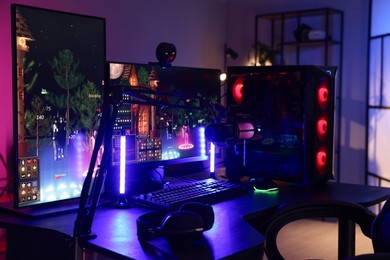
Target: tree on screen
point(66, 75)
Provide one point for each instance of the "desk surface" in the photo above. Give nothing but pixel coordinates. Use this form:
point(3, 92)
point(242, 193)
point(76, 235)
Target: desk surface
point(231, 235)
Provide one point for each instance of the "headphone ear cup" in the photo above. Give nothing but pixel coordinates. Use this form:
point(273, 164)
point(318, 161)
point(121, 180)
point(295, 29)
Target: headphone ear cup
point(181, 226)
point(204, 210)
point(148, 224)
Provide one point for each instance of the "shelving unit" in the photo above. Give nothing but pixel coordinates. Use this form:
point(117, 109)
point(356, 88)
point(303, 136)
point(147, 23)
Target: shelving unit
point(278, 35)
point(277, 31)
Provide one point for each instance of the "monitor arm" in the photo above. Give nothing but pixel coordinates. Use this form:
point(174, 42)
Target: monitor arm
point(94, 181)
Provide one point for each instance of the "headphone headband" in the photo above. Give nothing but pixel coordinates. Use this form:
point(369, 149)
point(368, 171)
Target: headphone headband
point(188, 222)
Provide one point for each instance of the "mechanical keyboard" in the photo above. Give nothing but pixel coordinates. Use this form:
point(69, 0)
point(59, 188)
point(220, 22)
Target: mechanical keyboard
point(209, 191)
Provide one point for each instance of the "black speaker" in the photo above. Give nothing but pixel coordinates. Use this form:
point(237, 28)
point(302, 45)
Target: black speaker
point(181, 226)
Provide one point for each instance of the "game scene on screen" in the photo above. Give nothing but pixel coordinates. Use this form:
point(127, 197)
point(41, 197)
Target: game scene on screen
point(59, 76)
point(173, 127)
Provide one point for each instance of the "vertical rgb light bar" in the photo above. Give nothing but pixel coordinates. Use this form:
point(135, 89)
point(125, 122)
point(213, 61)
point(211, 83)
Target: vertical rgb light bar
point(202, 141)
point(202, 145)
point(212, 158)
point(122, 167)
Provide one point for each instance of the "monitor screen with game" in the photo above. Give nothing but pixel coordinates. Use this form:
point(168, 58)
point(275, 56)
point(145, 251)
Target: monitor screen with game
point(163, 116)
point(291, 109)
point(58, 75)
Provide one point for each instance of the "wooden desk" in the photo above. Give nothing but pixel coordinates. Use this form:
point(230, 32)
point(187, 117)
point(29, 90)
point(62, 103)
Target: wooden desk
point(231, 236)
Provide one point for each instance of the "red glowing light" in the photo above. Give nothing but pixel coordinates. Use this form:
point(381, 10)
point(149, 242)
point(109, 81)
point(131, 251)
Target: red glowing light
point(322, 127)
point(323, 95)
point(320, 160)
point(237, 89)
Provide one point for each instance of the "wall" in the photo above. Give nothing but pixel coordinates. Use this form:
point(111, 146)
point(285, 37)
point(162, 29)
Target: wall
point(240, 37)
point(134, 28)
point(199, 29)
point(379, 96)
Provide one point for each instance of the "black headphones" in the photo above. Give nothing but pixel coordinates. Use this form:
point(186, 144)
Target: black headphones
point(188, 223)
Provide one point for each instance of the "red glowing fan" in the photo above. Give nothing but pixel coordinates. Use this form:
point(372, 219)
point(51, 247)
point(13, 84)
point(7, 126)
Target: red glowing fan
point(237, 89)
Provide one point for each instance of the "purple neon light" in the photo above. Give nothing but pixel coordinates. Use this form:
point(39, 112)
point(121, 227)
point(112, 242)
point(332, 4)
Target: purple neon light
point(212, 157)
point(122, 167)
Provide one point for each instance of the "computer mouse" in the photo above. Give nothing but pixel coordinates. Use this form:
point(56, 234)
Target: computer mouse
point(264, 185)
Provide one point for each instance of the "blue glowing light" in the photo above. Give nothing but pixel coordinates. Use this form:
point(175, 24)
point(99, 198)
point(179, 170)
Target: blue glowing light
point(202, 141)
point(172, 154)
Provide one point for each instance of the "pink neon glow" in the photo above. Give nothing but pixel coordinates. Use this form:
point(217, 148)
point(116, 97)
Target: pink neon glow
point(185, 131)
point(246, 130)
point(186, 146)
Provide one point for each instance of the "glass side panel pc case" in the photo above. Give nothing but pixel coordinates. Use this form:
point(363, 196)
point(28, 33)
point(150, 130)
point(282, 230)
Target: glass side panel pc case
point(292, 111)
point(58, 74)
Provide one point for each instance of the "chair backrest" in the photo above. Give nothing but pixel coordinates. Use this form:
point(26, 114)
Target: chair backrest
point(289, 212)
point(380, 233)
